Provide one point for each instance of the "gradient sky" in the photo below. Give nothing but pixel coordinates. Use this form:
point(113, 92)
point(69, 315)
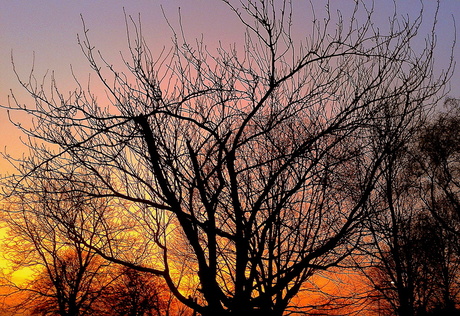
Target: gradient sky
point(48, 29)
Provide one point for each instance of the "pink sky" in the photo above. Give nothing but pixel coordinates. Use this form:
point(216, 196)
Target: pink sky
point(48, 28)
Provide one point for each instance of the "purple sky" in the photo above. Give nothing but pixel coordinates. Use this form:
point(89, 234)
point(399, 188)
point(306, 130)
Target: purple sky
point(48, 28)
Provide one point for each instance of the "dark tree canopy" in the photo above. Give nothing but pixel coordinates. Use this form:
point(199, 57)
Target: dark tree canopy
point(236, 175)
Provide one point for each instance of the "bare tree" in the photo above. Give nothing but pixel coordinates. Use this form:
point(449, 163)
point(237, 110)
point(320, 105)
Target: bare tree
point(250, 169)
point(414, 257)
point(69, 276)
point(136, 294)
point(393, 253)
point(415, 272)
point(438, 158)
point(71, 279)
point(438, 162)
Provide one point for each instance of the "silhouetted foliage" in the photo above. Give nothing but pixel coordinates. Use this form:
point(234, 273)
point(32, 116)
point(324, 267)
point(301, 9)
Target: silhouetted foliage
point(250, 169)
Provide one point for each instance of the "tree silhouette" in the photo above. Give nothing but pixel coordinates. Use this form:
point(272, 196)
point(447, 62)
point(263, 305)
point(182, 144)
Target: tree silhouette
point(414, 255)
point(68, 277)
point(438, 162)
point(438, 158)
point(136, 294)
point(248, 169)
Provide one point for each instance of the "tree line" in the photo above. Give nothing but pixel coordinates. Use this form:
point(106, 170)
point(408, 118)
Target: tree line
point(222, 183)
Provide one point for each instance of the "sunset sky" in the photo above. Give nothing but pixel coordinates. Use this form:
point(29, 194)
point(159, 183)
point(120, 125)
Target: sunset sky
point(42, 35)
point(49, 28)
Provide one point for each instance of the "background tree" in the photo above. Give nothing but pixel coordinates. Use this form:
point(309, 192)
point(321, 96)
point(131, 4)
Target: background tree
point(438, 162)
point(256, 164)
point(70, 288)
point(440, 250)
point(136, 294)
point(421, 278)
point(395, 249)
point(438, 158)
point(414, 257)
point(68, 277)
